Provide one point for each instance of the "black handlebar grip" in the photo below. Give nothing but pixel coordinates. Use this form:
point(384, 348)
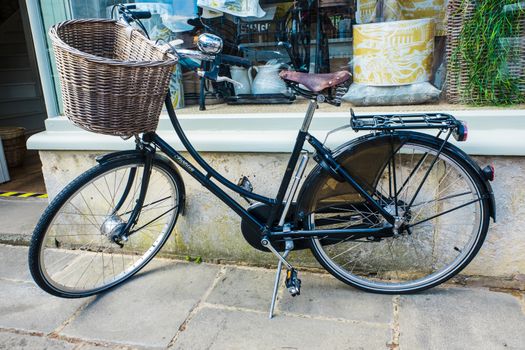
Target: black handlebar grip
point(235, 60)
point(140, 14)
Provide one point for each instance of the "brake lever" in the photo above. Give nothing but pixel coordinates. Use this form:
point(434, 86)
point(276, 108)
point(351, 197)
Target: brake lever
point(176, 42)
point(213, 76)
point(194, 54)
point(229, 80)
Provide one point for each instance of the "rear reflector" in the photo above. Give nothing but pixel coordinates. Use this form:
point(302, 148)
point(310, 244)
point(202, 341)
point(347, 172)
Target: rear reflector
point(461, 132)
point(489, 173)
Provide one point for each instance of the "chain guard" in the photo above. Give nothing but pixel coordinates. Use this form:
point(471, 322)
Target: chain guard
point(261, 212)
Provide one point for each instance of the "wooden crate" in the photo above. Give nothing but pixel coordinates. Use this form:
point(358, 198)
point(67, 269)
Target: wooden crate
point(4, 172)
point(14, 144)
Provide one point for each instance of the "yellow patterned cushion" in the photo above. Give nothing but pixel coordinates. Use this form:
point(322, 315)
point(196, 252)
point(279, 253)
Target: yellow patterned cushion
point(397, 10)
point(393, 53)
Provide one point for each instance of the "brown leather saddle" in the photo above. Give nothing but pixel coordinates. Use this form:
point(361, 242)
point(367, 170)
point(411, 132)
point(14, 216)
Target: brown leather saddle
point(316, 82)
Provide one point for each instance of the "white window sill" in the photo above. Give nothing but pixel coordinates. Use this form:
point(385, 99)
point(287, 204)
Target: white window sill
point(491, 132)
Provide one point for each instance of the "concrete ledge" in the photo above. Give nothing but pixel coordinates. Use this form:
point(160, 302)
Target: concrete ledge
point(209, 229)
point(491, 132)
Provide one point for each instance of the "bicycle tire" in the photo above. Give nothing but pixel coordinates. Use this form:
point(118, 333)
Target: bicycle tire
point(368, 281)
point(38, 251)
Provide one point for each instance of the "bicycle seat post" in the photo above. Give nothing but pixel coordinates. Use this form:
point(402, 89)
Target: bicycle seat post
point(312, 106)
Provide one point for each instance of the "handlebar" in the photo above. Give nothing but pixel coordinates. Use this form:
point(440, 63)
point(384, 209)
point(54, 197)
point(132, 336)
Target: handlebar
point(129, 15)
point(140, 14)
point(194, 54)
point(235, 60)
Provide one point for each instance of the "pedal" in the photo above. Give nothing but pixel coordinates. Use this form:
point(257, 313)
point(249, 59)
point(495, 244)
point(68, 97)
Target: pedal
point(247, 185)
point(293, 284)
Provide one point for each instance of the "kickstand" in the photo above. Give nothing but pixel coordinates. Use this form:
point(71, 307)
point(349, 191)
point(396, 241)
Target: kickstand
point(289, 247)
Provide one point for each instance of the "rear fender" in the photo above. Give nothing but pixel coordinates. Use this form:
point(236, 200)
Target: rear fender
point(365, 158)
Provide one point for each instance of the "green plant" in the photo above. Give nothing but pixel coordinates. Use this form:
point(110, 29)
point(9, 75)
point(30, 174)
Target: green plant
point(485, 59)
point(197, 260)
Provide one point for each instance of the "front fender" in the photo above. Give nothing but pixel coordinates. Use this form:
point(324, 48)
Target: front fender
point(116, 156)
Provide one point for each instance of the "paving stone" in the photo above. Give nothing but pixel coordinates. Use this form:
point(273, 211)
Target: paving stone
point(84, 268)
point(14, 263)
point(230, 329)
point(461, 319)
point(328, 297)
point(12, 220)
point(147, 310)
point(247, 288)
point(87, 346)
point(25, 306)
point(13, 341)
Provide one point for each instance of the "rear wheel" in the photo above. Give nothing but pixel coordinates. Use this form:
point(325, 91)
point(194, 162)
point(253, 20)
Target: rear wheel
point(73, 251)
point(444, 227)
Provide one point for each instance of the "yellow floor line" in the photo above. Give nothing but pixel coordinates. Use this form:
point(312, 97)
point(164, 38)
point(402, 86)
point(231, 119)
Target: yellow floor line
point(7, 194)
point(23, 194)
point(26, 195)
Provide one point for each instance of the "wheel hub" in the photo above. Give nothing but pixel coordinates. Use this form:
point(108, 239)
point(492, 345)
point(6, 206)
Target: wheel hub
point(401, 219)
point(113, 228)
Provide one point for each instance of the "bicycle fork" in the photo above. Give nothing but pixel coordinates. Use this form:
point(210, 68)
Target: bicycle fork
point(120, 232)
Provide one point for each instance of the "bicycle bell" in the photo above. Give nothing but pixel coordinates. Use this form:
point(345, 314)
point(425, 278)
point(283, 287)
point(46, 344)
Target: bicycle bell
point(209, 43)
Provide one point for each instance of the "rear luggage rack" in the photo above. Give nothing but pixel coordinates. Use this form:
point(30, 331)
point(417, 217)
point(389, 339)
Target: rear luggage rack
point(441, 121)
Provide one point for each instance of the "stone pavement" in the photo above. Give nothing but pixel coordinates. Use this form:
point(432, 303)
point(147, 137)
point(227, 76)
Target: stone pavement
point(18, 217)
point(179, 305)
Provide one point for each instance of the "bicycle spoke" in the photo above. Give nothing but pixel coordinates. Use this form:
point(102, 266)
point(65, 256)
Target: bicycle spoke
point(148, 205)
point(443, 198)
point(445, 212)
point(413, 172)
point(85, 216)
point(158, 217)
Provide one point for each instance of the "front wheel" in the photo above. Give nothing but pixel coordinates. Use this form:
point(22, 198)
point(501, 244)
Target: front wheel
point(441, 199)
point(73, 252)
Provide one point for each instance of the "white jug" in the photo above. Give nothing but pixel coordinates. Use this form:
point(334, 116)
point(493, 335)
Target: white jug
point(240, 74)
point(267, 80)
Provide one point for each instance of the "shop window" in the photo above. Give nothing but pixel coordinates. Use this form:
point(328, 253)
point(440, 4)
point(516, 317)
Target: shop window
point(395, 49)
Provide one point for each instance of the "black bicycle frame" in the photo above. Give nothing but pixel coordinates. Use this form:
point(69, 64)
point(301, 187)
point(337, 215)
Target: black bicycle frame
point(266, 228)
point(323, 156)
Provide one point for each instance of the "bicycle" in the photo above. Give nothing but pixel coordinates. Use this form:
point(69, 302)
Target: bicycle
point(411, 215)
point(294, 34)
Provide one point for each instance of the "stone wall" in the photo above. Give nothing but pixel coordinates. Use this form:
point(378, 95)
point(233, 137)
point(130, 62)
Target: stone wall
point(209, 229)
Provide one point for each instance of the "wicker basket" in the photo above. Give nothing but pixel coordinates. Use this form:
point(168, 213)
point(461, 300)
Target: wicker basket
point(14, 142)
point(458, 12)
point(516, 58)
point(113, 79)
